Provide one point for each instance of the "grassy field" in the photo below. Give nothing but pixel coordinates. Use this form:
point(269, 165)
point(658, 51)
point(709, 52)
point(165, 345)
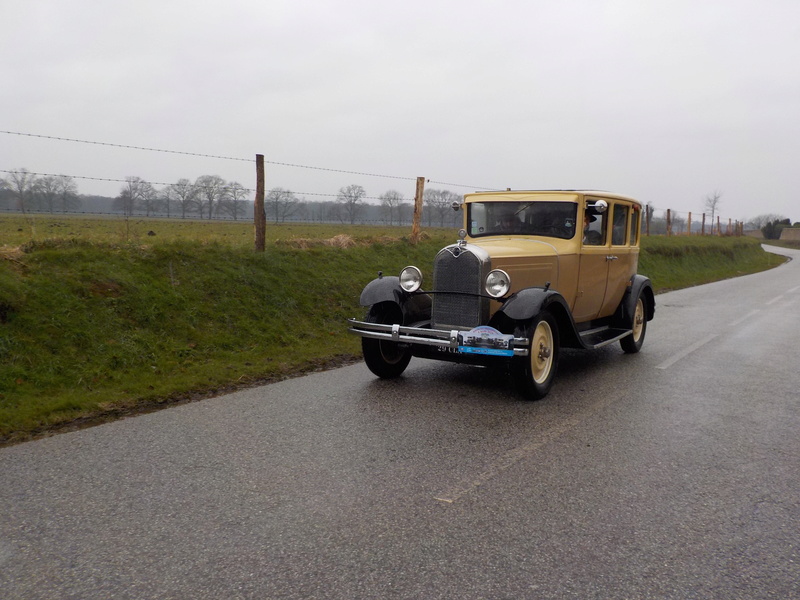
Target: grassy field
point(101, 317)
point(678, 262)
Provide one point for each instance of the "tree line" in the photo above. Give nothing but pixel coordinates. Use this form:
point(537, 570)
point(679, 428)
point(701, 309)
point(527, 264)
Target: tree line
point(26, 192)
point(211, 197)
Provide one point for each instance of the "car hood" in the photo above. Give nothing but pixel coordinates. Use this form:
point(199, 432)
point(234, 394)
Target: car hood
point(513, 247)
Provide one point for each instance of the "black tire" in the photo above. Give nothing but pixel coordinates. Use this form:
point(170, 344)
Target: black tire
point(385, 359)
point(632, 343)
point(534, 374)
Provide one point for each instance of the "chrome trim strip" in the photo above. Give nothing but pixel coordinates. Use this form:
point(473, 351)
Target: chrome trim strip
point(419, 335)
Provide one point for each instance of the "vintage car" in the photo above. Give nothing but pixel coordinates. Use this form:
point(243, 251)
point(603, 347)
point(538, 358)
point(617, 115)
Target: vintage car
point(531, 272)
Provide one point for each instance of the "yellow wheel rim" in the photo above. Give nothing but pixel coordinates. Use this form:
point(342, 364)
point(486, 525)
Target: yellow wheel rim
point(638, 320)
point(542, 352)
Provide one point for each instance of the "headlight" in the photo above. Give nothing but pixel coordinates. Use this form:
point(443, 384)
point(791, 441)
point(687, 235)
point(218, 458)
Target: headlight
point(410, 279)
point(497, 283)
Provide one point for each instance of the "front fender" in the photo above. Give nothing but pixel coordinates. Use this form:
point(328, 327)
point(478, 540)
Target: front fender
point(415, 307)
point(528, 303)
point(382, 289)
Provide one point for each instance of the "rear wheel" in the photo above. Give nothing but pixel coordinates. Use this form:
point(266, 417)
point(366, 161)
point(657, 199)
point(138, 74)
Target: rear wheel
point(386, 359)
point(633, 342)
point(535, 373)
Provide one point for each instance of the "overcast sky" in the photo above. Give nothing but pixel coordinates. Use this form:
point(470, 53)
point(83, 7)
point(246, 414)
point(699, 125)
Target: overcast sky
point(667, 101)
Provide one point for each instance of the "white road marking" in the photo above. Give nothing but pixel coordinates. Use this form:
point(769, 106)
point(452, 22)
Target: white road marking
point(775, 299)
point(515, 455)
point(671, 361)
point(738, 322)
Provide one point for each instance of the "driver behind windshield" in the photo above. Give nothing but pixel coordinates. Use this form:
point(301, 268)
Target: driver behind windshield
point(508, 221)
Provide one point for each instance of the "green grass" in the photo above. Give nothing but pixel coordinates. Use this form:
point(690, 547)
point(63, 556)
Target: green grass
point(98, 318)
point(16, 230)
point(678, 262)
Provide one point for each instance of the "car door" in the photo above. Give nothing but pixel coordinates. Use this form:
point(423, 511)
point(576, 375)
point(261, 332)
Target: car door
point(593, 270)
point(621, 259)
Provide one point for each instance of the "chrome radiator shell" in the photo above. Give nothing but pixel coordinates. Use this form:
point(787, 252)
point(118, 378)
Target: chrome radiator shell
point(459, 300)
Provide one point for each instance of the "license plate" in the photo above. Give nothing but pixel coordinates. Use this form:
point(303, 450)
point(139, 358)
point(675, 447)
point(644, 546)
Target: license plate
point(487, 341)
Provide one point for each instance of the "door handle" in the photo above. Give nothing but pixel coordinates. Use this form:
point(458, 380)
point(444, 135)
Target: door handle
point(612, 257)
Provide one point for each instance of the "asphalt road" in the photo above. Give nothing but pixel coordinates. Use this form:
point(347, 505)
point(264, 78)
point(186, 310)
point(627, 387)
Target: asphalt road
point(674, 473)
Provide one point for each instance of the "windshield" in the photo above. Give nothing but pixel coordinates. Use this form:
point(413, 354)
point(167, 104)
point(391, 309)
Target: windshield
point(551, 219)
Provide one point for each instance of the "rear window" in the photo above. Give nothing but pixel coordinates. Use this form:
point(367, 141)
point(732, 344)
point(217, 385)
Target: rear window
point(548, 219)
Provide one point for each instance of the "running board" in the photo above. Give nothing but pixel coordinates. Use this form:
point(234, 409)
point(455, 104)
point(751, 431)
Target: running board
point(602, 336)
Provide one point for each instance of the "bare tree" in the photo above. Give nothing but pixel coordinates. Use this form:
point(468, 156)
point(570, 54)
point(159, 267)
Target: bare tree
point(281, 204)
point(46, 192)
point(392, 201)
point(233, 199)
point(130, 195)
point(712, 202)
point(351, 201)
point(22, 185)
point(150, 200)
point(67, 193)
point(184, 194)
point(209, 192)
point(441, 203)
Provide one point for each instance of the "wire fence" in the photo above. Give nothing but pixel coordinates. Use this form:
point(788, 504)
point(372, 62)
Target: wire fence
point(150, 202)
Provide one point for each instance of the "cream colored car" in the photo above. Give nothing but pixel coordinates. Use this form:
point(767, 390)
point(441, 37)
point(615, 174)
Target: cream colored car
point(531, 272)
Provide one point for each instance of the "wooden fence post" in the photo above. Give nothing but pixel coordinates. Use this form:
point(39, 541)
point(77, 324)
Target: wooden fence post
point(689, 226)
point(415, 224)
point(703, 228)
point(259, 214)
point(669, 222)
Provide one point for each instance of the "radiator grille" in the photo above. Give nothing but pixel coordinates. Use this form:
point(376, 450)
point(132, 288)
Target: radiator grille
point(461, 273)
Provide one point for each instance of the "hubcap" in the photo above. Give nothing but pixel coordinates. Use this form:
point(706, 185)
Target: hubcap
point(542, 355)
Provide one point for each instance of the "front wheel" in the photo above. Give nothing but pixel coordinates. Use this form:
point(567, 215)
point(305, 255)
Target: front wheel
point(535, 373)
point(632, 343)
point(385, 359)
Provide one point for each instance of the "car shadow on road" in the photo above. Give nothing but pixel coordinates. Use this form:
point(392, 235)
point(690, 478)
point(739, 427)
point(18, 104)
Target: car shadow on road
point(444, 382)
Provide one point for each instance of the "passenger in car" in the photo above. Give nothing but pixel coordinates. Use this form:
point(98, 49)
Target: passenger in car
point(590, 236)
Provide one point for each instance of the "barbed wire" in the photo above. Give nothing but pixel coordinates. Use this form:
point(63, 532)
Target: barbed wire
point(106, 179)
point(192, 185)
point(126, 146)
point(220, 157)
point(674, 213)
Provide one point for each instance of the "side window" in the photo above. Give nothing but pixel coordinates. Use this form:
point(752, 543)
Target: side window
point(594, 228)
point(620, 225)
point(635, 221)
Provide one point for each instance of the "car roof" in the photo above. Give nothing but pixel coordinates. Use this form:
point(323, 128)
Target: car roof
point(499, 194)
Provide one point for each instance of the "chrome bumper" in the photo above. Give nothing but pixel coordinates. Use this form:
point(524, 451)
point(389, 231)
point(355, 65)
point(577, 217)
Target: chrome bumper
point(420, 335)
